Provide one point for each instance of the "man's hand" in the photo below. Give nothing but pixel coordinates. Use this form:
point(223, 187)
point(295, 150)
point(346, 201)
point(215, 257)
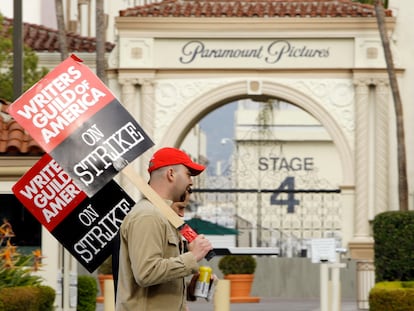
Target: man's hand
point(200, 247)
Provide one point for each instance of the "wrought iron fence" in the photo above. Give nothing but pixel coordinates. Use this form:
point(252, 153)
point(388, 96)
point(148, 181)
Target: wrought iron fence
point(287, 219)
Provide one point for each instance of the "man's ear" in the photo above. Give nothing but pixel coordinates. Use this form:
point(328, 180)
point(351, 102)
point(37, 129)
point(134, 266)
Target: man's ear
point(170, 174)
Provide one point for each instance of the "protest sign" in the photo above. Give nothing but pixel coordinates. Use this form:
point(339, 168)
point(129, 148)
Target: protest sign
point(86, 227)
point(76, 118)
point(91, 137)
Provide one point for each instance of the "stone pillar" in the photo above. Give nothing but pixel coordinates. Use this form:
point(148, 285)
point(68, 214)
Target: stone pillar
point(381, 146)
point(139, 99)
point(128, 100)
point(371, 160)
point(348, 212)
point(362, 244)
point(147, 118)
point(365, 282)
point(372, 165)
point(128, 94)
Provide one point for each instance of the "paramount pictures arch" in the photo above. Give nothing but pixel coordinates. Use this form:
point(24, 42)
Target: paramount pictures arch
point(346, 90)
point(355, 231)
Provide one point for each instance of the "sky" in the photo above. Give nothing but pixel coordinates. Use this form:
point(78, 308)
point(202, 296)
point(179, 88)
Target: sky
point(217, 125)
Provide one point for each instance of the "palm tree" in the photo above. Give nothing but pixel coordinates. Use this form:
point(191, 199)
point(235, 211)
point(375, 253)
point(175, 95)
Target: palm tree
point(100, 41)
point(402, 170)
point(61, 30)
point(18, 48)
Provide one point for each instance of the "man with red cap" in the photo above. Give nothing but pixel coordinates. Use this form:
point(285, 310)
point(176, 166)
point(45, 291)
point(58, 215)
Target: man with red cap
point(152, 259)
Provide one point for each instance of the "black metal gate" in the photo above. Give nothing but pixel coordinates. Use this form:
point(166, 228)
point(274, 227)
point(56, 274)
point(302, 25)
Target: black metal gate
point(282, 218)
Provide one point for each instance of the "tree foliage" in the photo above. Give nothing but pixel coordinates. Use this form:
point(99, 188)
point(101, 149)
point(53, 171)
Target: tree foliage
point(31, 72)
point(372, 2)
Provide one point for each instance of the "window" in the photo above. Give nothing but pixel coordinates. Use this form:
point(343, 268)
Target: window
point(26, 228)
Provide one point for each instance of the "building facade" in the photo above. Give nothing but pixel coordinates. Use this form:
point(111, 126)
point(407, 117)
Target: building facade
point(176, 61)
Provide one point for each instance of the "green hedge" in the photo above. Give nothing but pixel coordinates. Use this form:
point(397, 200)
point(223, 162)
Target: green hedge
point(394, 246)
point(28, 298)
point(42, 298)
point(87, 291)
point(392, 296)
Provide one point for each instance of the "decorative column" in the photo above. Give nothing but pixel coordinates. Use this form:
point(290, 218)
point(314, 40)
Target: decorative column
point(371, 118)
point(381, 146)
point(128, 94)
point(365, 282)
point(348, 212)
point(128, 101)
point(147, 118)
point(362, 153)
point(140, 102)
point(362, 244)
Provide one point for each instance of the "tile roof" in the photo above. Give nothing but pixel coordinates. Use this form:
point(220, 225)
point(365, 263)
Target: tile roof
point(14, 140)
point(44, 39)
point(253, 8)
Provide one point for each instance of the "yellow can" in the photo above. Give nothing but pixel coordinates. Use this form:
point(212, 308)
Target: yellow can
point(203, 282)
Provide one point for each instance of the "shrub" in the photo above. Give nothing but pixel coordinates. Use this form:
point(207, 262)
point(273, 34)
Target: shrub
point(394, 246)
point(28, 298)
point(87, 291)
point(46, 298)
point(19, 288)
point(18, 298)
point(395, 296)
point(237, 264)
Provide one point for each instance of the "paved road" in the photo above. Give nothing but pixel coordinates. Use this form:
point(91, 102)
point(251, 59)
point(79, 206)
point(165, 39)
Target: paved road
point(266, 304)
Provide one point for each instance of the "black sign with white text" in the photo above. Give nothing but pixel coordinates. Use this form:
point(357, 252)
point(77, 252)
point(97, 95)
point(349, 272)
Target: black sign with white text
point(103, 144)
point(85, 226)
point(88, 232)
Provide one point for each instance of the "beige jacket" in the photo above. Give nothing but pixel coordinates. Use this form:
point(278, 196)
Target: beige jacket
point(151, 268)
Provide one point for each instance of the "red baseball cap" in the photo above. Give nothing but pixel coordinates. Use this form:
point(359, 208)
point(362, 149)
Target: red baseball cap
point(172, 156)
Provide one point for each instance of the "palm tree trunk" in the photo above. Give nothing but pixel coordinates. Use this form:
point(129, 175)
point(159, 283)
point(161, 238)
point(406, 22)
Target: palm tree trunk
point(399, 116)
point(61, 30)
point(100, 40)
point(18, 78)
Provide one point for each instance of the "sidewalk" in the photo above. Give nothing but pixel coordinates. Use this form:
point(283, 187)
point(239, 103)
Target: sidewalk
point(272, 304)
point(266, 304)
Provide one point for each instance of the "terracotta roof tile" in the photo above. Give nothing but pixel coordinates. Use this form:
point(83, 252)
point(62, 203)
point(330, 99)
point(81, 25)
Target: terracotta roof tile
point(14, 140)
point(44, 39)
point(253, 8)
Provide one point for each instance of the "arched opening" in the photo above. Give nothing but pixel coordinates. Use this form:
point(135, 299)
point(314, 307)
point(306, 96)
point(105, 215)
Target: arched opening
point(265, 165)
point(206, 103)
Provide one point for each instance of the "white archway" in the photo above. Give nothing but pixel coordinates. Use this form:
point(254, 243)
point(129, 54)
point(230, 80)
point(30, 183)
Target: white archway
point(226, 93)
